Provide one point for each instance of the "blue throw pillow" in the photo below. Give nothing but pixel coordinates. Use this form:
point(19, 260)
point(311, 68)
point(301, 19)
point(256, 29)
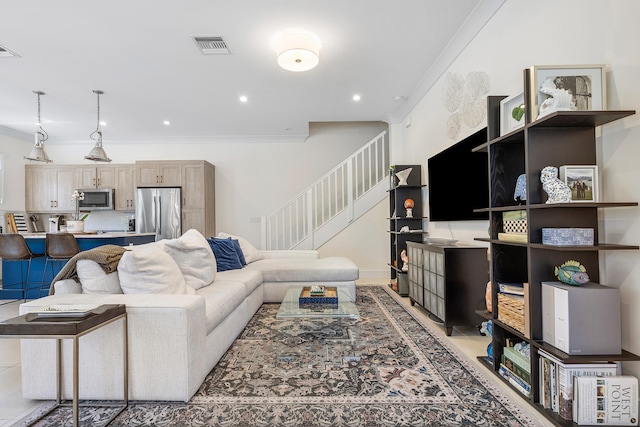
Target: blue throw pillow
point(236, 244)
point(225, 253)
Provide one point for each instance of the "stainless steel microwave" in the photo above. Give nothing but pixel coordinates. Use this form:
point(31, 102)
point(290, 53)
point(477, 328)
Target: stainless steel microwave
point(97, 199)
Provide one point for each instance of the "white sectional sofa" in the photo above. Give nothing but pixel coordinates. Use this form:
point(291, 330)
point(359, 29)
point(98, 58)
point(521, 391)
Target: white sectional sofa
point(182, 314)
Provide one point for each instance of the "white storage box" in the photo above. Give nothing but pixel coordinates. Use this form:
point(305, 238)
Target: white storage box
point(581, 320)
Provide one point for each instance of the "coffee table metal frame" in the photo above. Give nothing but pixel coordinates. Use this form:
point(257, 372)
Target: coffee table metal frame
point(290, 306)
point(28, 326)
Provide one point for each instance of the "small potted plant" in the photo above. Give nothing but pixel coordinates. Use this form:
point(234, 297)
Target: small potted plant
point(77, 225)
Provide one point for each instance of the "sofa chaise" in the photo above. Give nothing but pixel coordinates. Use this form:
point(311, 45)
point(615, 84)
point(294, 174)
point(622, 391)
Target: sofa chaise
point(183, 314)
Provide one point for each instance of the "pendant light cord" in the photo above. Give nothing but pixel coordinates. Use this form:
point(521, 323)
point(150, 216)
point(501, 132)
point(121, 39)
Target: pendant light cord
point(39, 130)
point(98, 139)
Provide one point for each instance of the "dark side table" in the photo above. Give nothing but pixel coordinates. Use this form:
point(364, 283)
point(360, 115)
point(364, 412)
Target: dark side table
point(33, 326)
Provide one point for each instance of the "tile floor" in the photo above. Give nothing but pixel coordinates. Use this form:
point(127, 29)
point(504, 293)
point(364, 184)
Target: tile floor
point(13, 407)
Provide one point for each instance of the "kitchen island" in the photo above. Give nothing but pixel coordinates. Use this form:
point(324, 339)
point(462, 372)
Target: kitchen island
point(39, 283)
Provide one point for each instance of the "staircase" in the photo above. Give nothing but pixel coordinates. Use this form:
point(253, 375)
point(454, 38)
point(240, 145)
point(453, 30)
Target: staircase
point(330, 204)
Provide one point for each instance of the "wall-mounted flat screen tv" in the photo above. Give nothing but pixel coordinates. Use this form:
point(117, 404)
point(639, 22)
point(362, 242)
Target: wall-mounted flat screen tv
point(458, 181)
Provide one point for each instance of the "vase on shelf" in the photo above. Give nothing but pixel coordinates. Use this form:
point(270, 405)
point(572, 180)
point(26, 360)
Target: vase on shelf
point(75, 226)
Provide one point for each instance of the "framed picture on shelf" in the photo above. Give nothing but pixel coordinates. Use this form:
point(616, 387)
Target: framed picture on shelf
point(511, 113)
point(567, 88)
point(582, 180)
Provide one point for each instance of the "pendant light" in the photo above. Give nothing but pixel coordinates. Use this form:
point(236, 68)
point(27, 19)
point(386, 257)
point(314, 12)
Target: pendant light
point(37, 153)
point(97, 154)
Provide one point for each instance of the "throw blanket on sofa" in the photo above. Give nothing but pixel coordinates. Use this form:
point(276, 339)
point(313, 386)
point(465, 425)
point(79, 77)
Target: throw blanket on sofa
point(107, 256)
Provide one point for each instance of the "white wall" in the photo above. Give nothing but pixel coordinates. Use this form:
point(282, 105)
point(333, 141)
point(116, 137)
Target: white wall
point(548, 32)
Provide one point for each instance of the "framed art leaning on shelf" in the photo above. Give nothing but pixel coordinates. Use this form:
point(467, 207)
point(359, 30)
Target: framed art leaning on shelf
point(511, 113)
point(567, 88)
point(582, 180)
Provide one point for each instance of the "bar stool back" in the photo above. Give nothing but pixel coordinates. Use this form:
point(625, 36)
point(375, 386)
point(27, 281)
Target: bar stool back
point(14, 248)
point(59, 247)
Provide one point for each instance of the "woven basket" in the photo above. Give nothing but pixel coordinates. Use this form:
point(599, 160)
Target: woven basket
point(511, 312)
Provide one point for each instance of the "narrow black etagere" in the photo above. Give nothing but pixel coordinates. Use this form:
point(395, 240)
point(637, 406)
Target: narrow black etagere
point(398, 220)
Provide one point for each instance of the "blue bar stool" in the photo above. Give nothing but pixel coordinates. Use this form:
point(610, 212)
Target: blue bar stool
point(14, 248)
point(58, 247)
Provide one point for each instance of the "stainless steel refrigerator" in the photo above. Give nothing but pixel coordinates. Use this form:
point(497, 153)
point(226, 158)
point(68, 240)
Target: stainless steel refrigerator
point(159, 210)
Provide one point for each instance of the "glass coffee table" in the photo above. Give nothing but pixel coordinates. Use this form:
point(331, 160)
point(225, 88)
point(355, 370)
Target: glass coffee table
point(291, 307)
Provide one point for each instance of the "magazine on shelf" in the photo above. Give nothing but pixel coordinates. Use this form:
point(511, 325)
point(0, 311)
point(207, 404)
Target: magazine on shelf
point(605, 400)
point(560, 385)
point(511, 288)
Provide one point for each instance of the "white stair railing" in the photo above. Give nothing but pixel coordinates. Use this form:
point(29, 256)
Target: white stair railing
point(333, 198)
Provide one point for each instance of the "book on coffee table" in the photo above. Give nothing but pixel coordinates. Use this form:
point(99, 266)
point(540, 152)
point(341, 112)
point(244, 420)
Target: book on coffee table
point(328, 297)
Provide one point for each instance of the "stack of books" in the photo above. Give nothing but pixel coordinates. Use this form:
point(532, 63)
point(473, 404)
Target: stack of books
point(557, 381)
point(515, 367)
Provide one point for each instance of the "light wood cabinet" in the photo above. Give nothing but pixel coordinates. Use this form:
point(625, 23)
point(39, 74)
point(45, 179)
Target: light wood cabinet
point(97, 176)
point(151, 173)
point(125, 176)
point(198, 197)
point(49, 188)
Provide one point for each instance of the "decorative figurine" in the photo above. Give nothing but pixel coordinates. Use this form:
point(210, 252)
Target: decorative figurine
point(572, 273)
point(557, 191)
point(520, 194)
point(405, 260)
point(403, 175)
point(558, 99)
point(409, 204)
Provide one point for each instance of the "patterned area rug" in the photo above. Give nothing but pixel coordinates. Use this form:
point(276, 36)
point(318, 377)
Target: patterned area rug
point(385, 369)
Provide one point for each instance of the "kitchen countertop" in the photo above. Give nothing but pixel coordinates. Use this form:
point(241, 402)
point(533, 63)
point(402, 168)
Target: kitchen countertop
point(92, 235)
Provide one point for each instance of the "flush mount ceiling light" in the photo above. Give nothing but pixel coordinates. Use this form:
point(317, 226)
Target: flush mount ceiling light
point(297, 50)
point(37, 153)
point(97, 154)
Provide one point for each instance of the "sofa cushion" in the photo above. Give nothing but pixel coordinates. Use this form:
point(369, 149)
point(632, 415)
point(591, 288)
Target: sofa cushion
point(249, 251)
point(194, 257)
point(225, 254)
point(95, 281)
point(148, 269)
point(336, 269)
point(221, 298)
point(251, 279)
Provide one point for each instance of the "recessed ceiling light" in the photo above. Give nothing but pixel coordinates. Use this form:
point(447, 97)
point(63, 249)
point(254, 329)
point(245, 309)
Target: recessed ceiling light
point(356, 97)
point(399, 98)
point(243, 98)
point(166, 122)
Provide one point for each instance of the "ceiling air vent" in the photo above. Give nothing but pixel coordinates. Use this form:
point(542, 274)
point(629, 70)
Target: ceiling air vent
point(212, 45)
point(6, 53)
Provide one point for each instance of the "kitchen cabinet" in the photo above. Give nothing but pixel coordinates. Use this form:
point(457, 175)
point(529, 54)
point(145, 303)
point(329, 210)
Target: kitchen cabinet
point(125, 194)
point(158, 173)
point(198, 196)
point(97, 176)
point(49, 188)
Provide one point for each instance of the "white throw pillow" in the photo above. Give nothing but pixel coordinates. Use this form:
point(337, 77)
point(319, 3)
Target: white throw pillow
point(148, 269)
point(195, 258)
point(248, 250)
point(95, 281)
